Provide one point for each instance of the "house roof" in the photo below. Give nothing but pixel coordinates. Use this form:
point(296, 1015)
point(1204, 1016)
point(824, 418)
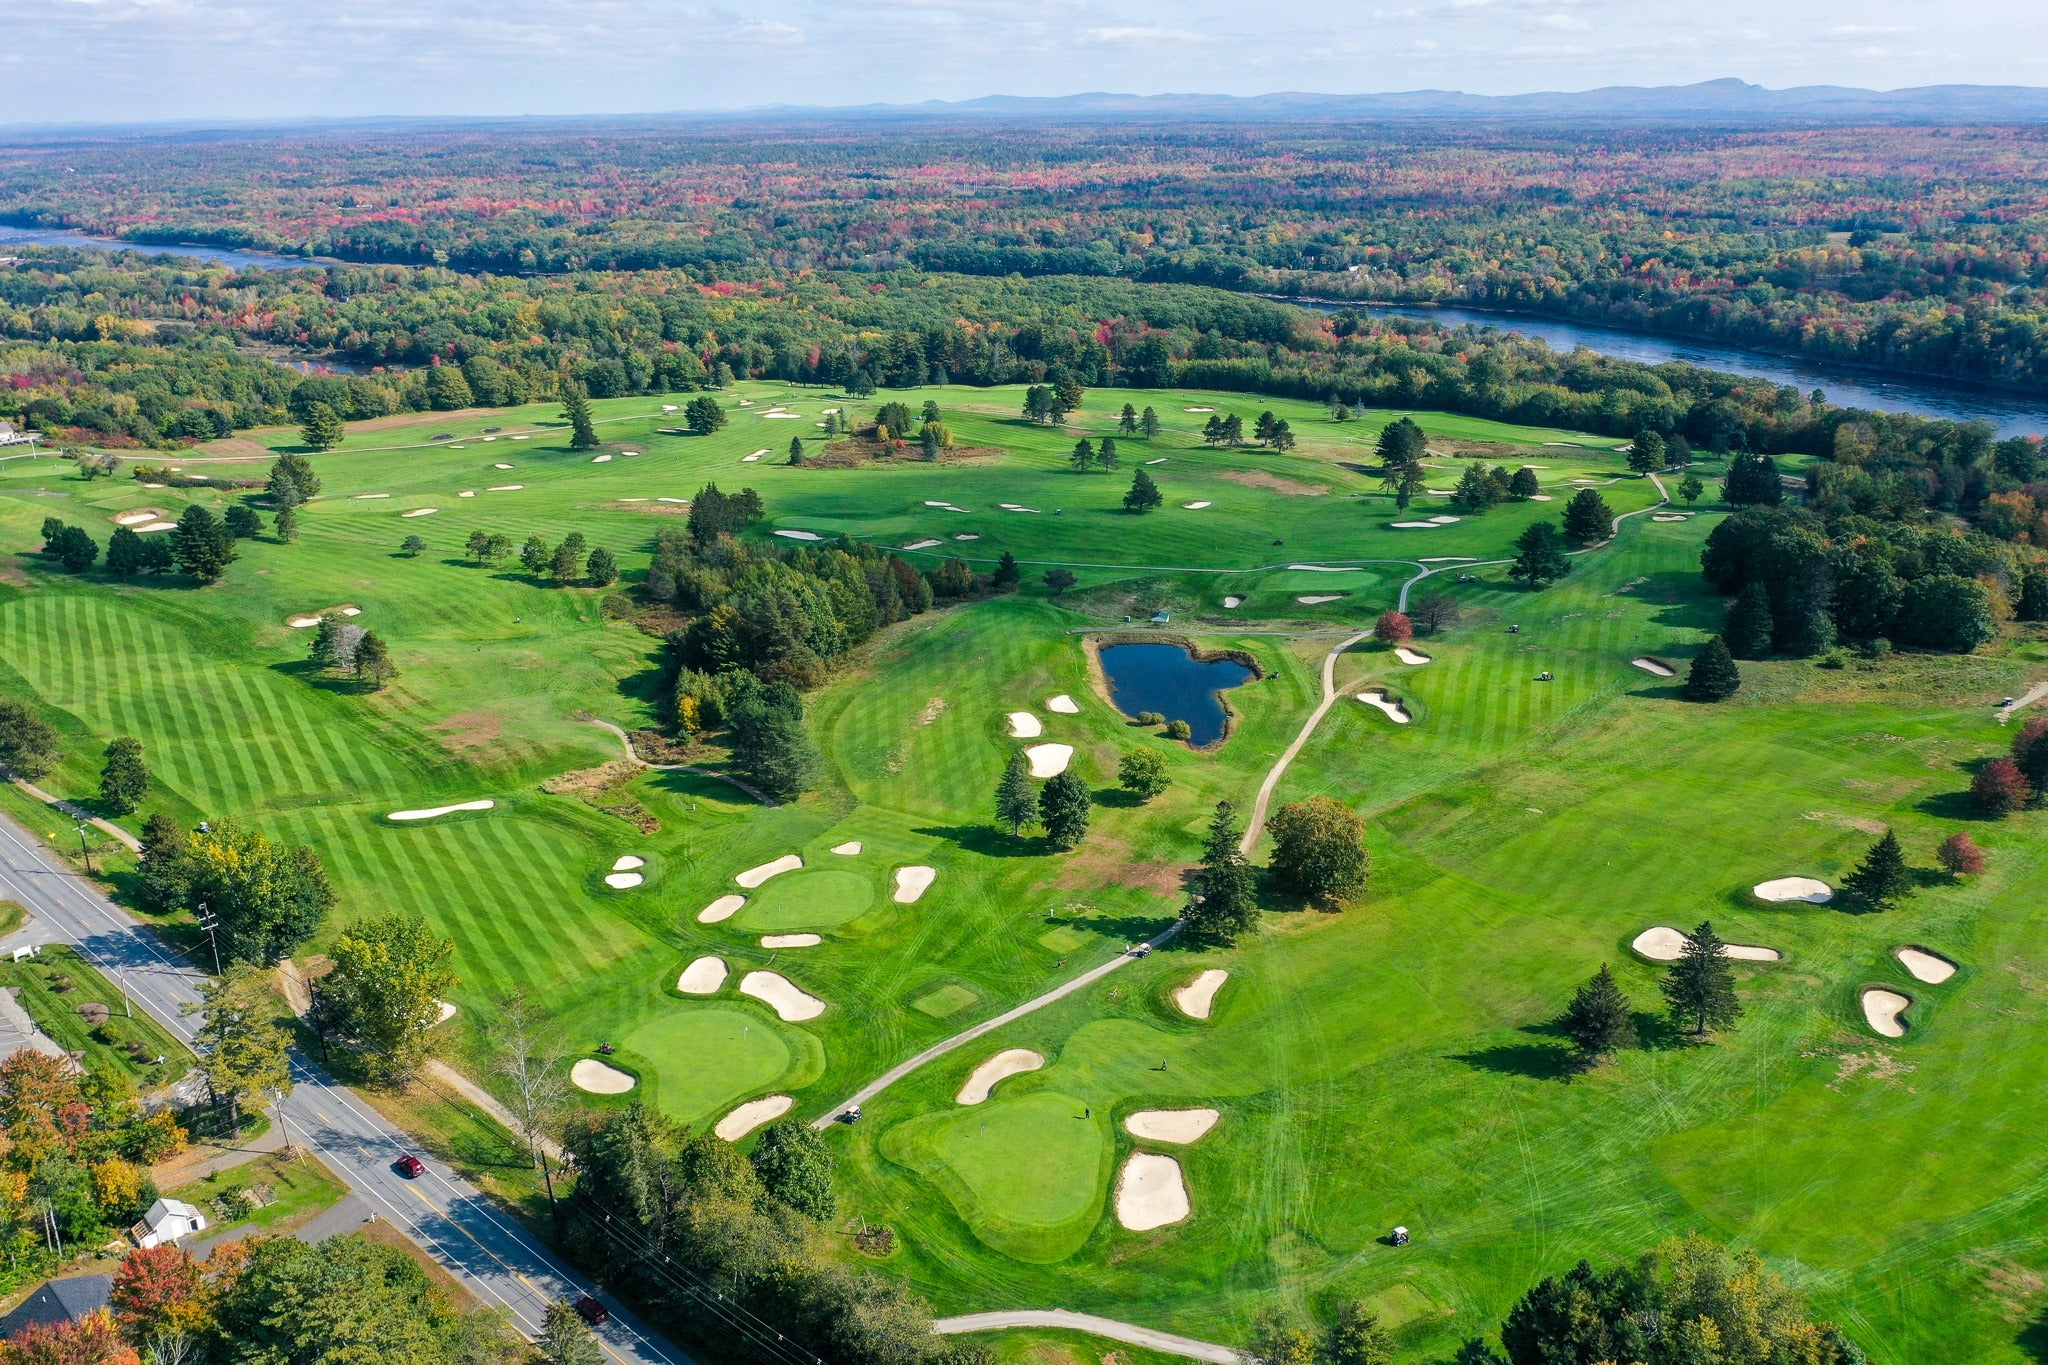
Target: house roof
point(165, 1209)
point(59, 1301)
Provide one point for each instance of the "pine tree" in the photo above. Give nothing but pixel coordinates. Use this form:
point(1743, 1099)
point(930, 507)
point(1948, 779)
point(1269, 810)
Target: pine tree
point(576, 410)
point(1143, 494)
point(1016, 801)
point(322, 429)
point(1222, 901)
point(286, 525)
point(1700, 987)
point(1587, 517)
point(1212, 430)
point(1747, 629)
point(1063, 809)
point(1522, 484)
point(1599, 1019)
point(201, 545)
point(1148, 423)
point(1882, 878)
point(796, 450)
point(1105, 454)
point(374, 666)
point(1539, 555)
point(1083, 457)
point(1475, 491)
point(564, 1340)
point(1356, 1338)
point(535, 556)
point(1646, 452)
point(124, 552)
point(1713, 675)
point(1127, 423)
point(603, 570)
point(1008, 573)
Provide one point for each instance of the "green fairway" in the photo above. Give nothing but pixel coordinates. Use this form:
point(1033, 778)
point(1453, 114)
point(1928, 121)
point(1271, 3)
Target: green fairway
point(807, 900)
point(698, 1061)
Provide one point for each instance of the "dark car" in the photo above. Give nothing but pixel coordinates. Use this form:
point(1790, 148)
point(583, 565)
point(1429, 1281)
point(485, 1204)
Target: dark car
point(409, 1166)
point(592, 1312)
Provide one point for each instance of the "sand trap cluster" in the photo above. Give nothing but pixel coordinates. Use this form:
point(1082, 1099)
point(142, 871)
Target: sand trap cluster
point(432, 811)
point(1316, 599)
point(1932, 968)
point(782, 995)
point(1884, 1011)
point(1009, 1062)
point(912, 882)
point(1376, 697)
point(1171, 1125)
point(1150, 1192)
point(848, 849)
point(1063, 705)
point(753, 1113)
point(800, 535)
point(1665, 944)
point(599, 1079)
point(1049, 760)
point(702, 977)
point(724, 908)
point(1198, 997)
point(1024, 725)
point(627, 863)
point(1656, 666)
point(1794, 889)
point(790, 940)
point(754, 876)
point(312, 618)
point(1410, 656)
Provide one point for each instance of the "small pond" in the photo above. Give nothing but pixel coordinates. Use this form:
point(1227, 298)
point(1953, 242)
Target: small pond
point(1169, 680)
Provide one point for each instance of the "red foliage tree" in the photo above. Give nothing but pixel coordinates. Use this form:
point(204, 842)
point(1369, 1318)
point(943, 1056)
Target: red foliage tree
point(2030, 752)
point(1393, 628)
point(2000, 788)
point(153, 1285)
point(92, 1340)
point(1960, 855)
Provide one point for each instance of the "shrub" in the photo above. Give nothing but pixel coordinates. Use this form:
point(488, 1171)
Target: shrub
point(2000, 788)
point(1960, 856)
point(1393, 628)
point(1179, 729)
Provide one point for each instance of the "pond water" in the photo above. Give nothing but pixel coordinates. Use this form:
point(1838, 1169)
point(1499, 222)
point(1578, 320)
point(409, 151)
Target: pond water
point(212, 255)
point(1169, 680)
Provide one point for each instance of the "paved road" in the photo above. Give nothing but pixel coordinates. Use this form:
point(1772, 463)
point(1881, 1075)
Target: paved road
point(441, 1212)
point(1256, 824)
point(1164, 1342)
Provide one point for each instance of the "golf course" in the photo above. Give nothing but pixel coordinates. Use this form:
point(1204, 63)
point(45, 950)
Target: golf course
point(1198, 1134)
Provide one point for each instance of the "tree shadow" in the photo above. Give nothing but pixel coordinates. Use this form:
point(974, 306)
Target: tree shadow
point(1656, 1032)
point(2033, 1339)
point(1116, 798)
point(990, 842)
point(1952, 806)
point(1536, 1061)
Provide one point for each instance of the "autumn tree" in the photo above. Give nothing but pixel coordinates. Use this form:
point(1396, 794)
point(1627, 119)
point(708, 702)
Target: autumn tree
point(1393, 628)
point(390, 976)
point(1959, 855)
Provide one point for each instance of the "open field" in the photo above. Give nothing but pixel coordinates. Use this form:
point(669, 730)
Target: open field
point(1385, 1065)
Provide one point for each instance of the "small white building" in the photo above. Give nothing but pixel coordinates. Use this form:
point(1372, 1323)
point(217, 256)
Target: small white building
point(10, 437)
point(167, 1221)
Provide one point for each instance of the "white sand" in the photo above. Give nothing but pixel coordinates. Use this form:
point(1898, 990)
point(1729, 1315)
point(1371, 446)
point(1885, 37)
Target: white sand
point(1199, 996)
point(702, 977)
point(1376, 698)
point(793, 416)
point(1794, 889)
point(599, 1079)
point(633, 499)
point(1323, 568)
point(1447, 559)
point(1664, 944)
point(628, 863)
point(1233, 601)
point(519, 438)
point(420, 512)
point(912, 882)
point(1926, 966)
point(746, 402)
point(155, 526)
point(1658, 516)
point(929, 503)
point(1171, 1125)
point(1194, 506)
point(1005, 1064)
point(1881, 1010)
point(782, 995)
point(752, 1115)
point(969, 536)
point(505, 487)
point(1198, 409)
point(1316, 599)
point(1410, 656)
point(790, 941)
point(140, 514)
point(924, 544)
point(754, 876)
point(847, 849)
point(1413, 525)
point(1650, 665)
point(433, 811)
point(683, 502)
point(725, 907)
point(1445, 521)
point(1063, 704)
point(448, 1011)
point(1539, 497)
point(1160, 460)
point(1150, 1192)
point(800, 535)
point(758, 454)
point(1049, 760)
point(600, 459)
point(467, 493)
point(1024, 725)
point(623, 881)
point(501, 466)
point(361, 496)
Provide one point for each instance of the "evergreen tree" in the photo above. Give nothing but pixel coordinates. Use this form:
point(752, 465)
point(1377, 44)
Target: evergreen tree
point(1690, 488)
point(1008, 573)
point(1475, 491)
point(1713, 675)
point(125, 555)
point(1222, 896)
point(124, 778)
point(1148, 423)
point(1212, 430)
point(1599, 1019)
point(1282, 436)
point(1233, 429)
point(201, 545)
point(1083, 457)
point(1058, 581)
point(796, 450)
point(1356, 1338)
point(241, 521)
point(1646, 452)
point(1539, 555)
point(1522, 484)
point(373, 662)
point(1587, 518)
point(1262, 427)
point(74, 549)
point(1700, 987)
point(292, 482)
point(1143, 494)
point(769, 743)
point(1063, 809)
point(1016, 800)
point(795, 1166)
point(1882, 878)
point(576, 412)
point(1747, 629)
point(602, 571)
point(564, 1340)
point(705, 414)
point(286, 525)
point(1105, 454)
point(1127, 423)
point(322, 429)
point(535, 556)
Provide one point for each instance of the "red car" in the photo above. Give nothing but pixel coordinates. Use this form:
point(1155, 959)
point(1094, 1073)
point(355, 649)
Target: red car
point(592, 1312)
point(411, 1167)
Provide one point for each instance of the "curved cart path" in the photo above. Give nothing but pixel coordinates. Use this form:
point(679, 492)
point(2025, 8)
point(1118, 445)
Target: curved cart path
point(626, 740)
point(1165, 1343)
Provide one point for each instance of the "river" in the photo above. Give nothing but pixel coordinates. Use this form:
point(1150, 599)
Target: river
point(214, 255)
point(1844, 386)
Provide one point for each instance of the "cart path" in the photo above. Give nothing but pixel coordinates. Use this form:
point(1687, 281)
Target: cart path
point(626, 740)
point(1164, 1342)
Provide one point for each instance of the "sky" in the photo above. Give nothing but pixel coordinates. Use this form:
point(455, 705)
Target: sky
point(70, 61)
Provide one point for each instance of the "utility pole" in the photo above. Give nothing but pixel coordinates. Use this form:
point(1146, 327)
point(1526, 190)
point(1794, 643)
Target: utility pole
point(209, 923)
point(84, 851)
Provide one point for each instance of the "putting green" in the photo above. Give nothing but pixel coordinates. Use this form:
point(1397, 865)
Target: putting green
point(946, 1001)
point(707, 1058)
point(1028, 1175)
point(807, 900)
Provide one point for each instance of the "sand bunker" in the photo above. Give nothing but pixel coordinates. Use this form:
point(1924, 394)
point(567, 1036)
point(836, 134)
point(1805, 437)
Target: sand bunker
point(969, 536)
point(1005, 1064)
point(1410, 656)
point(1925, 966)
point(140, 515)
point(702, 977)
point(420, 512)
point(725, 907)
point(1658, 516)
point(467, 493)
point(433, 811)
point(847, 849)
point(680, 502)
point(1794, 889)
point(1539, 497)
point(755, 456)
point(1665, 944)
point(1233, 602)
point(924, 544)
point(1063, 704)
point(754, 876)
point(1199, 996)
point(800, 535)
point(1160, 460)
point(1377, 698)
point(501, 466)
point(1322, 568)
point(520, 438)
point(1194, 506)
point(1316, 599)
point(156, 526)
point(600, 459)
point(1413, 525)
point(598, 1078)
point(912, 882)
point(1170, 1125)
point(1150, 1192)
point(782, 995)
point(1882, 1010)
point(448, 1011)
point(505, 487)
point(753, 1113)
point(1198, 409)
point(362, 496)
point(1024, 725)
point(623, 881)
point(1657, 666)
point(791, 941)
point(1049, 760)
point(793, 416)
point(1445, 521)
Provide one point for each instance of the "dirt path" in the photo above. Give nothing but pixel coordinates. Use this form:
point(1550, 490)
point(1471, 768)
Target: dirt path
point(1166, 1343)
point(626, 741)
point(2026, 698)
point(71, 812)
point(1256, 824)
point(486, 1101)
